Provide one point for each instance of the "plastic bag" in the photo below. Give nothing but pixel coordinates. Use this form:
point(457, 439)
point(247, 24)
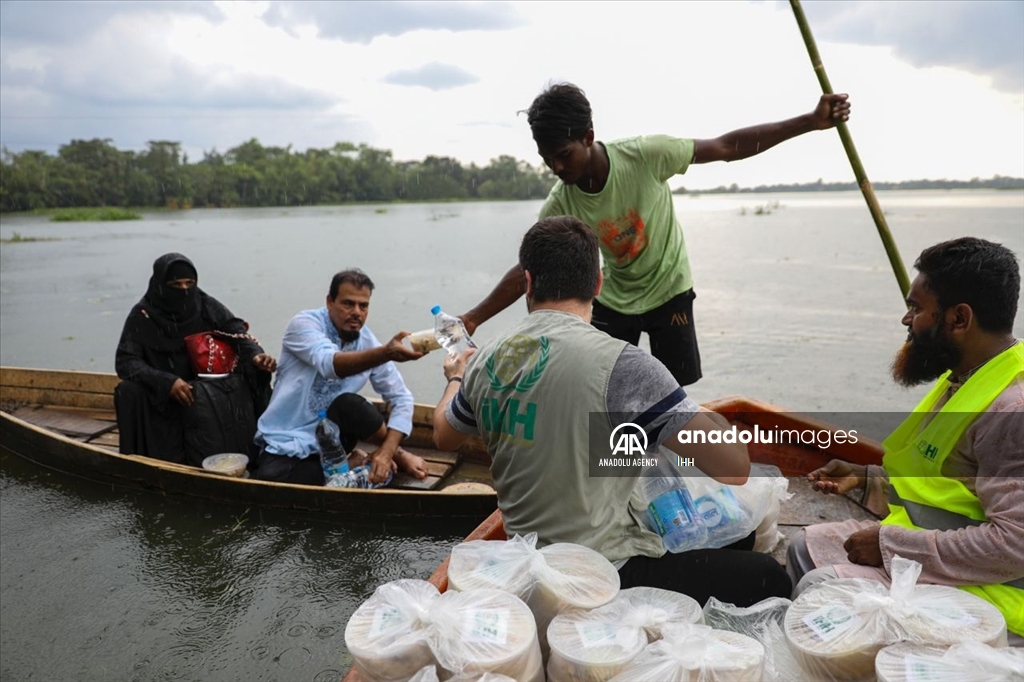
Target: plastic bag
point(592, 645)
point(731, 513)
point(966, 662)
point(762, 621)
point(836, 628)
point(550, 579)
point(697, 653)
point(485, 677)
point(767, 534)
point(485, 630)
point(388, 635)
point(428, 674)
point(596, 644)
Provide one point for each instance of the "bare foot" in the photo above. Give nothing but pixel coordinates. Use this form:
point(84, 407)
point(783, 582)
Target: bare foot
point(357, 458)
point(414, 465)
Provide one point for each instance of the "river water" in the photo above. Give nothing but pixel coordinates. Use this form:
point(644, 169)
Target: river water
point(797, 305)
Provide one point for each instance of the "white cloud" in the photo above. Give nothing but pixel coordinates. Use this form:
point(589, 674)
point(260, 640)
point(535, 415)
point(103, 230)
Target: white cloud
point(433, 76)
point(689, 69)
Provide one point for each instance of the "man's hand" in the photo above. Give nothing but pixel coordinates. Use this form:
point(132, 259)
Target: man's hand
point(182, 392)
point(396, 351)
point(862, 547)
point(469, 323)
point(265, 362)
point(831, 110)
point(456, 366)
point(838, 477)
point(382, 463)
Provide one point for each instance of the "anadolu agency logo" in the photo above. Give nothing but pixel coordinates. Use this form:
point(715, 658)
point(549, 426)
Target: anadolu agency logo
point(628, 440)
point(626, 450)
point(628, 443)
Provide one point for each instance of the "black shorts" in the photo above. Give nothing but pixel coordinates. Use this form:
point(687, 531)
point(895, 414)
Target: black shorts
point(671, 330)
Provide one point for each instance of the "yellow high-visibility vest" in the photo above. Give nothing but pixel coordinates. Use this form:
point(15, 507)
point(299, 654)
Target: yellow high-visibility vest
point(921, 497)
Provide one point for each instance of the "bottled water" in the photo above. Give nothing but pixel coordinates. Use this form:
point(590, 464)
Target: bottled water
point(333, 457)
point(450, 332)
point(672, 514)
point(723, 516)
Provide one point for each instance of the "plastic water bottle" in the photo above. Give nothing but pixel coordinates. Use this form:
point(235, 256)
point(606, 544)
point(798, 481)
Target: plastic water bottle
point(450, 332)
point(722, 516)
point(333, 457)
point(672, 514)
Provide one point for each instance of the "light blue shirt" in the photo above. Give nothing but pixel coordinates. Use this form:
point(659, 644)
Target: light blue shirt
point(306, 384)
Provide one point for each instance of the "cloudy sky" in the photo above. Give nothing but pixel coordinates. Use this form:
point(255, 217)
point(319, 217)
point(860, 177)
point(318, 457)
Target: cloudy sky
point(937, 87)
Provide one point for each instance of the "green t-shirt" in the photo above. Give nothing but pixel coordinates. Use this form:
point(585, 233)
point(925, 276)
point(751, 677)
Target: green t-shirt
point(645, 262)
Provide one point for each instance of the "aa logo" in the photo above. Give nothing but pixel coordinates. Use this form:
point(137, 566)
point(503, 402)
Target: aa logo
point(517, 363)
point(628, 439)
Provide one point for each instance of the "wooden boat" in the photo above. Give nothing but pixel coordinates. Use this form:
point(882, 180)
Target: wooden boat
point(804, 508)
point(65, 421)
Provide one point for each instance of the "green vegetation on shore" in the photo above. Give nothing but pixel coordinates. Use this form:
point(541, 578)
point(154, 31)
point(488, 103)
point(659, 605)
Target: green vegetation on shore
point(77, 215)
point(17, 238)
point(94, 173)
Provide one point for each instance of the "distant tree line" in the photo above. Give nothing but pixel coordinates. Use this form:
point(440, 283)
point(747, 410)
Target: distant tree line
point(995, 182)
point(95, 173)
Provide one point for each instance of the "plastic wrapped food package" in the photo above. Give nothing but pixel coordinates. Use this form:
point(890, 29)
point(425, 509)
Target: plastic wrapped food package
point(653, 609)
point(948, 615)
point(762, 621)
point(388, 634)
point(836, 628)
point(697, 653)
point(550, 579)
point(593, 645)
point(965, 662)
point(485, 630)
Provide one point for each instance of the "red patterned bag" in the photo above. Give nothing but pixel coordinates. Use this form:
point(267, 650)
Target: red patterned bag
point(212, 352)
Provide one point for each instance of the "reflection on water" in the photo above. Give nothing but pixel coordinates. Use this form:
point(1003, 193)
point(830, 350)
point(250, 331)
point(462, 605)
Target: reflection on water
point(798, 307)
point(100, 583)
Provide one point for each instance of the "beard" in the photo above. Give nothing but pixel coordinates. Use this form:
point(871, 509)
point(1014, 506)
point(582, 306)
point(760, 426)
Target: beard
point(347, 336)
point(924, 357)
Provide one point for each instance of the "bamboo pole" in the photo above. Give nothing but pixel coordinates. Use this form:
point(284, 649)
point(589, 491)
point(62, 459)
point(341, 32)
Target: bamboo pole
point(851, 153)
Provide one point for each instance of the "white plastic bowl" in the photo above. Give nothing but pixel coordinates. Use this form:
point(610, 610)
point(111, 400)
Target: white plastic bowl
point(227, 464)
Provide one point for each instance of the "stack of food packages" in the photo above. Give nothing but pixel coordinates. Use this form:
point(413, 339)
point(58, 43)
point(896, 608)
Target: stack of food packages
point(551, 579)
point(407, 626)
point(836, 629)
point(593, 630)
point(504, 593)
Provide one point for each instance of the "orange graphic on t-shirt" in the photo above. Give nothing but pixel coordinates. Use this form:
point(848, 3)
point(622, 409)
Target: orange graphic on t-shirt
point(624, 238)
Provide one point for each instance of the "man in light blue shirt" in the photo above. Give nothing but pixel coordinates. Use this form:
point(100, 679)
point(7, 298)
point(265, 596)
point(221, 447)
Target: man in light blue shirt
point(327, 356)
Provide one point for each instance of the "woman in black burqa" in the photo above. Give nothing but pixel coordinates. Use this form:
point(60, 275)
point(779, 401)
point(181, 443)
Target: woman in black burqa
point(156, 401)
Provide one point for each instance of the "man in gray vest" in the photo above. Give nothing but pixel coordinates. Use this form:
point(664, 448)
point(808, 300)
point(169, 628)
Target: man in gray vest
point(538, 396)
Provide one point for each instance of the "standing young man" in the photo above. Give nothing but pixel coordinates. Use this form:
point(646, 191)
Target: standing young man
point(620, 189)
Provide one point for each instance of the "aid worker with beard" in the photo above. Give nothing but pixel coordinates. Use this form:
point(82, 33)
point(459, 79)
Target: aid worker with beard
point(951, 488)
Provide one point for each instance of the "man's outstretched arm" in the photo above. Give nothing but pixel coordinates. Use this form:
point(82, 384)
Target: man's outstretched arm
point(507, 292)
point(746, 142)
